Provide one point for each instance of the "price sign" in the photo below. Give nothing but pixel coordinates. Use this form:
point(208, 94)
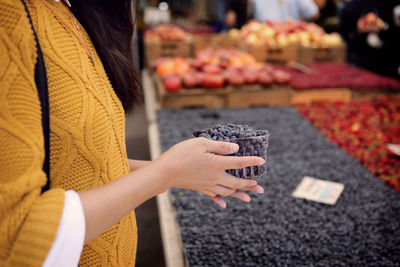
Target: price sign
point(318, 190)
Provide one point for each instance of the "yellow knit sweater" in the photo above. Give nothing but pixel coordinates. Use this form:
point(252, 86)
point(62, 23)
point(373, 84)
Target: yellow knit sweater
point(87, 138)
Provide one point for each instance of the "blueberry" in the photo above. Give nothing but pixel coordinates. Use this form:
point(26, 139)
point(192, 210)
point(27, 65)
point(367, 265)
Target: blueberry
point(249, 143)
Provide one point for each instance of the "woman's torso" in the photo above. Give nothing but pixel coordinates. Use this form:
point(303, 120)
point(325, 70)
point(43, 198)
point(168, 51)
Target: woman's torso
point(87, 125)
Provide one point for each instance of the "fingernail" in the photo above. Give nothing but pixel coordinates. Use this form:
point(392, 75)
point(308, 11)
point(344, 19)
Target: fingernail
point(222, 204)
point(261, 161)
point(233, 147)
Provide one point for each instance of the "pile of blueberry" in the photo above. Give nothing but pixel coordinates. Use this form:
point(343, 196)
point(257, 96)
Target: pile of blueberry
point(276, 229)
point(251, 143)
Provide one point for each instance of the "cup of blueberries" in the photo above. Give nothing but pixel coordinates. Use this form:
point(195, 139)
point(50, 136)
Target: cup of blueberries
point(251, 143)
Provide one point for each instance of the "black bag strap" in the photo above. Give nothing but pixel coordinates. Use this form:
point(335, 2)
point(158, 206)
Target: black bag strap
point(41, 84)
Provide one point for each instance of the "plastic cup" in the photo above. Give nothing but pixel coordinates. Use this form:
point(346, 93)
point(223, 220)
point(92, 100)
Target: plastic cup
point(251, 146)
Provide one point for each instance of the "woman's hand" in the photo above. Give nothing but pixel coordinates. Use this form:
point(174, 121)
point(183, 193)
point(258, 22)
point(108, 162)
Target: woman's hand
point(199, 164)
point(195, 164)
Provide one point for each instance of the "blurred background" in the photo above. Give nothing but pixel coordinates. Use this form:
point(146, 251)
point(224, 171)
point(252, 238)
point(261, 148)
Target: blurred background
point(243, 53)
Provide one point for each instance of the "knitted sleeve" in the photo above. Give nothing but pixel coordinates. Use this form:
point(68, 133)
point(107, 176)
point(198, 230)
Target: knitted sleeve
point(28, 220)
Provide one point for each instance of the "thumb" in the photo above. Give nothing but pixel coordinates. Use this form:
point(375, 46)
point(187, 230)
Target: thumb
point(220, 148)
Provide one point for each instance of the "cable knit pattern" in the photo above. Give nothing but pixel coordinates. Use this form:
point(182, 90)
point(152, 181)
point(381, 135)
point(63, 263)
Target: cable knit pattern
point(87, 137)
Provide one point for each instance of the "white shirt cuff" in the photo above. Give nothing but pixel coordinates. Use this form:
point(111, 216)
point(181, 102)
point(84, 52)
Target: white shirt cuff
point(68, 244)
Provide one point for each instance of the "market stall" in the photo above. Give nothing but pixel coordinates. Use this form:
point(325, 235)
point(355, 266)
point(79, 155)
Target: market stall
point(276, 229)
point(231, 78)
point(329, 120)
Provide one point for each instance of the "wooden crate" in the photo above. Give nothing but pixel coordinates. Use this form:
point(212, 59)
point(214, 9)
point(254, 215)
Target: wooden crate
point(224, 40)
point(195, 97)
point(307, 55)
point(315, 95)
point(258, 95)
point(373, 94)
point(154, 50)
point(204, 40)
point(212, 40)
point(275, 55)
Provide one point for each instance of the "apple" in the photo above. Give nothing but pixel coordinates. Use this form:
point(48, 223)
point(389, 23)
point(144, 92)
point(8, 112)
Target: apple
point(166, 67)
point(181, 66)
point(172, 83)
point(282, 40)
point(264, 78)
point(198, 76)
point(284, 34)
point(304, 38)
point(195, 63)
point(332, 39)
point(293, 38)
point(363, 23)
point(250, 77)
point(235, 78)
point(189, 80)
point(165, 32)
point(267, 32)
point(281, 77)
point(192, 79)
point(253, 39)
point(302, 26)
point(371, 18)
point(234, 33)
point(170, 32)
point(213, 81)
point(269, 23)
point(212, 69)
point(268, 68)
point(317, 39)
point(210, 60)
point(232, 70)
point(254, 25)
